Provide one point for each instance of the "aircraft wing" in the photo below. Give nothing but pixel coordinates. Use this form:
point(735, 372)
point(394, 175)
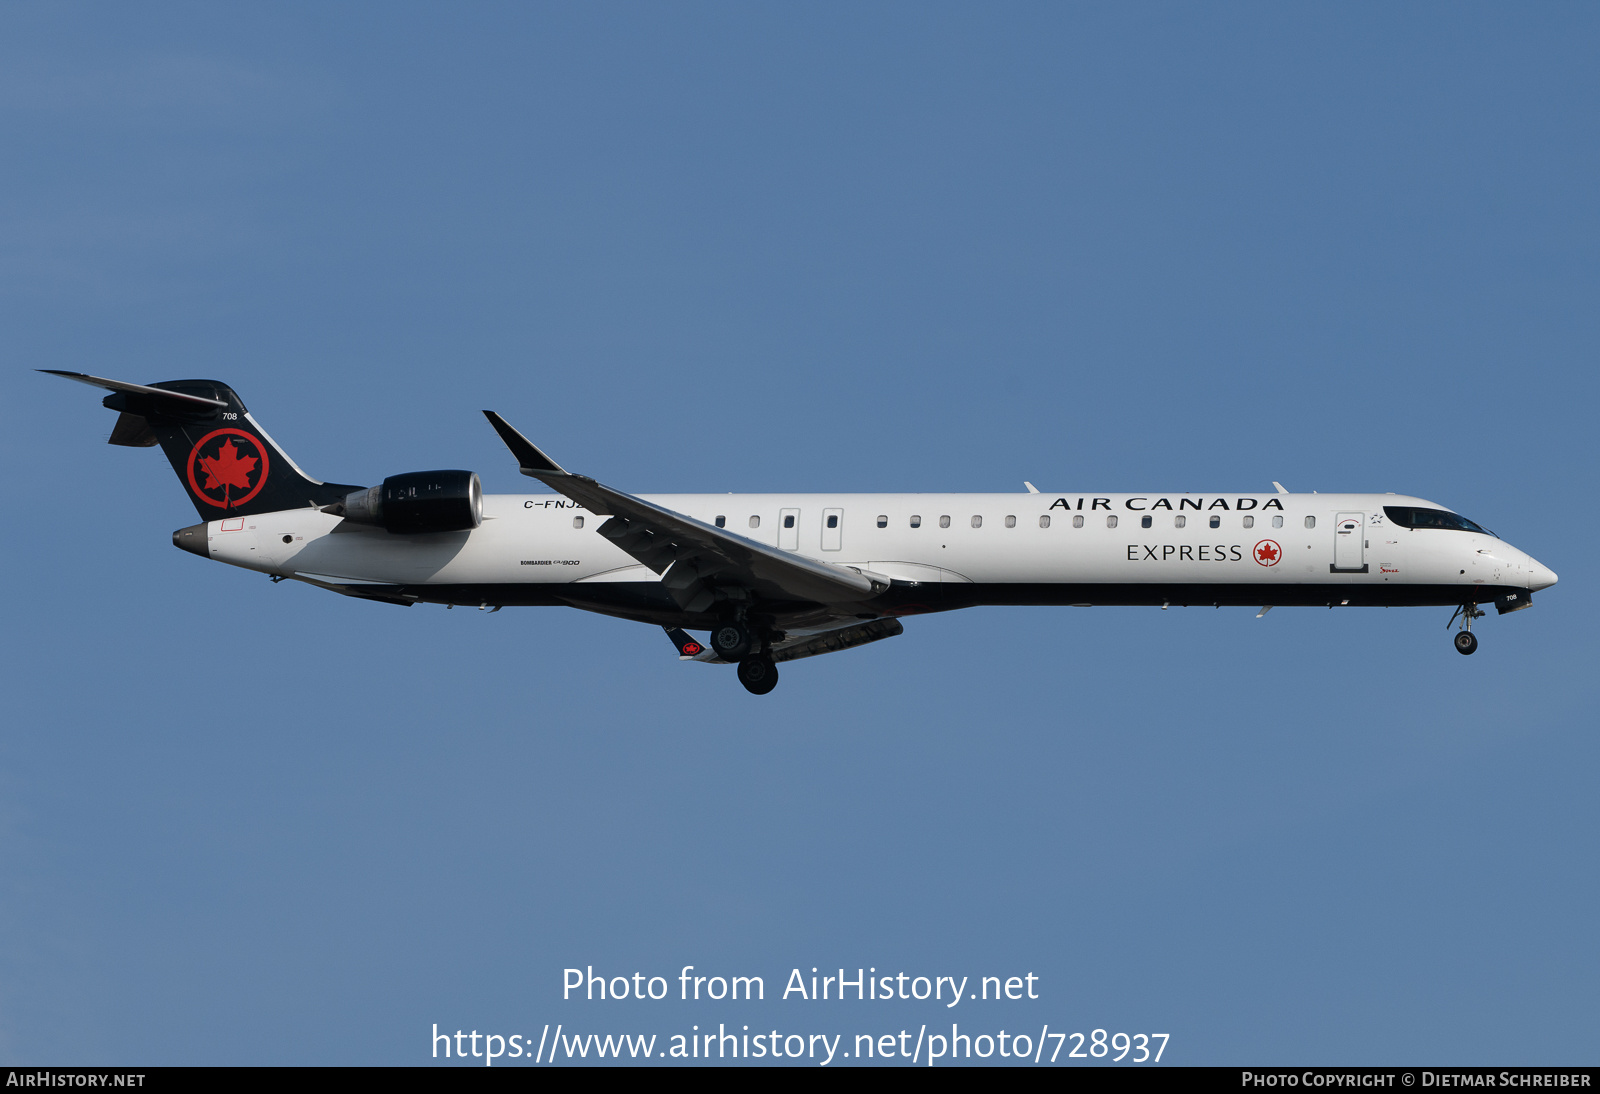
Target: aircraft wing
point(694, 558)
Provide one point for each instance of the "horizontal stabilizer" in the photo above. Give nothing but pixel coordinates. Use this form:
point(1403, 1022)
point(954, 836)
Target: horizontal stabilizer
point(224, 459)
point(167, 400)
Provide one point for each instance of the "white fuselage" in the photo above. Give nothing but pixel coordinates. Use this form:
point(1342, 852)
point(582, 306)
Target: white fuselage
point(1245, 548)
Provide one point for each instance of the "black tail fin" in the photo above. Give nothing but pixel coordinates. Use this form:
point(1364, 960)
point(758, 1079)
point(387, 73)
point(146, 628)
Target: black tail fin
point(226, 462)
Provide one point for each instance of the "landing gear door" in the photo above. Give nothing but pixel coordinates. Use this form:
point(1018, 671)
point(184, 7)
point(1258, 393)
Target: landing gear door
point(1349, 544)
point(789, 529)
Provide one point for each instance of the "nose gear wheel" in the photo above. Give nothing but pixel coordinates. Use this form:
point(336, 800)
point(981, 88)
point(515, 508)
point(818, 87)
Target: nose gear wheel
point(1465, 641)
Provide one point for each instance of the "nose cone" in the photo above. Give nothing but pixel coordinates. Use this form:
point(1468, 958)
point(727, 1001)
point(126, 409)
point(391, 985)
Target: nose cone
point(194, 540)
point(1540, 576)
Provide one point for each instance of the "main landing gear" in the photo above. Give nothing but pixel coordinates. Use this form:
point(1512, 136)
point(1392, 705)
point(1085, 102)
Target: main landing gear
point(758, 674)
point(1466, 642)
point(734, 641)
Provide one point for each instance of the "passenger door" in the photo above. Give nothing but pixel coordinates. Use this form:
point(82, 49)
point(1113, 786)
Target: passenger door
point(1349, 543)
point(789, 529)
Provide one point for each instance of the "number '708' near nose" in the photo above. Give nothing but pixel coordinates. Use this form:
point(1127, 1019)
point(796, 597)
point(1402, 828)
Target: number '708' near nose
point(779, 577)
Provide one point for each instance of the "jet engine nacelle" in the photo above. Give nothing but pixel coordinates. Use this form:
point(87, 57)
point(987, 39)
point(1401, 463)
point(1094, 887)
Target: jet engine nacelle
point(418, 502)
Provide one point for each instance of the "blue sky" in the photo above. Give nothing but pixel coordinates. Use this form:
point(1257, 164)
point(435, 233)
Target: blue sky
point(820, 247)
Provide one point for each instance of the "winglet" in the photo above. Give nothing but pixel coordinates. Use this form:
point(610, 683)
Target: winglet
point(688, 648)
point(1032, 489)
point(532, 461)
point(1279, 485)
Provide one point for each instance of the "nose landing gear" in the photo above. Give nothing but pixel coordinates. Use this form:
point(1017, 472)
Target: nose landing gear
point(1466, 642)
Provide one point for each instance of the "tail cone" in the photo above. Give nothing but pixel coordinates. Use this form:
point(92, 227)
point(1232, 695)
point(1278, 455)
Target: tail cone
point(193, 539)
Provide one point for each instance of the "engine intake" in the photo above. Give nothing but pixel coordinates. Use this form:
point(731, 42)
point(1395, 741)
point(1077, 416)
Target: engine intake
point(418, 502)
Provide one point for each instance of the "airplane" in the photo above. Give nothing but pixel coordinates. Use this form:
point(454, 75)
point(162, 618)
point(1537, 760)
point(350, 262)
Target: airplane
point(780, 577)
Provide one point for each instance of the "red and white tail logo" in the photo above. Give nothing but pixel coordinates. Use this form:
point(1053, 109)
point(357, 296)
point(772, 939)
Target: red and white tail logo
point(227, 467)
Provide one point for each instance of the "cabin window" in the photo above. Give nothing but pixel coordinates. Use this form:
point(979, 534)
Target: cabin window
point(1277, 522)
point(1077, 521)
point(755, 522)
point(1145, 522)
point(1111, 521)
point(1216, 521)
point(1249, 522)
point(577, 522)
point(1044, 521)
point(788, 520)
point(883, 520)
point(1011, 522)
point(916, 520)
point(722, 521)
point(833, 520)
point(944, 522)
point(1311, 522)
point(977, 522)
point(1179, 521)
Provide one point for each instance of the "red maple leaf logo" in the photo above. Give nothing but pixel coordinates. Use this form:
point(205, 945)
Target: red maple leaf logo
point(1267, 552)
point(236, 456)
point(228, 468)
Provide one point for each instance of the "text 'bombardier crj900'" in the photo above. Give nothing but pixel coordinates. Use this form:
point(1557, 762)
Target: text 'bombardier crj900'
point(777, 577)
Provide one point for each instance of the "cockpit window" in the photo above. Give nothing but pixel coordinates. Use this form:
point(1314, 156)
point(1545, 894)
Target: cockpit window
point(1408, 516)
